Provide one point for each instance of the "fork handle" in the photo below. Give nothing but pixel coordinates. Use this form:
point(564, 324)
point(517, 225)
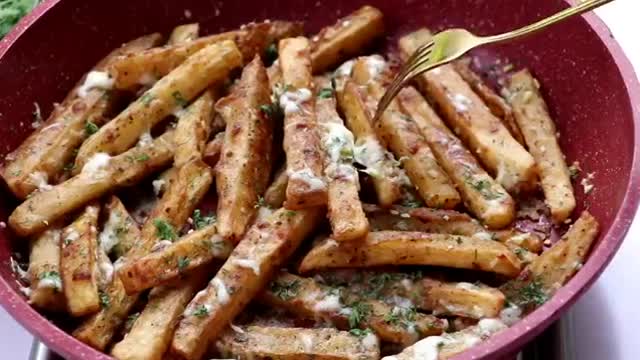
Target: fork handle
point(582, 7)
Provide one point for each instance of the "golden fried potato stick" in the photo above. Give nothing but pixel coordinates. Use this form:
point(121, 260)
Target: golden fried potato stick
point(244, 168)
point(189, 252)
point(306, 298)
point(305, 160)
point(193, 129)
point(402, 136)
point(540, 135)
point(483, 196)
point(451, 344)
point(44, 271)
point(168, 96)
point(414, 248)
point(101, 175)
point(78, 264)
point(252, 342)
point(388, 178)
point(184, 33)
point(468, 116)
point(348, 221)
point(555, 267)
point(265, 247)
point(50, 149)
point(145, 67)
point(349, 36)
point(498, 106)
point(151, 333)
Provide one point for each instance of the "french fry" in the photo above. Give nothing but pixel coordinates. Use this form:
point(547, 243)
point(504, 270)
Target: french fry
point(387, 178)
point(184, 33)
point(147, 66)
point(414, 248)
point(347, 37)
point(191, 251)
point(120, 231)
point(551, 270)
point(541, 137)
point(44, 271)
point(308, 299)
point(263, 250)
point(402, 135)
point(104, 175)
point(151, 333)
point(306, 186)
point(445, 347)
point(498, 106)
point(212, 150)
point(260, 342)
point(346, 216)
point(423, 292)
point(193, 130)
point(183, 194)
point(99, 329)
point(244, 168)
point(78, 265)
point(169, 95)
point(483, 196)
point(276, 193)
point(513, 167)
point(46, 153)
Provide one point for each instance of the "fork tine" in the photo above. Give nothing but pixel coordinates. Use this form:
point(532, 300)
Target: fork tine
point(405, 75)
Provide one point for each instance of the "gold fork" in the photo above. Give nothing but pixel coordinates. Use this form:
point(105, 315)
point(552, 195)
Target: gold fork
point(451, 44)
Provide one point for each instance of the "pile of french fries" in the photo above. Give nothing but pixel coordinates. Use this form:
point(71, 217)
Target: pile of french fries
point(436, 183)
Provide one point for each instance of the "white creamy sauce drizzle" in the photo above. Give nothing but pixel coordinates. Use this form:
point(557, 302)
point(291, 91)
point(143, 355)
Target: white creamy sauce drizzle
point(370, 341)
point(510, 315)
point(307, 342)
point(95, 80)
point(158, 186)
point(249, 264)
point(345, 69)
point(519, 239)
point(22, 275)
point(482, 236)
point(291, 101)
point(460, 102)
point(370, 154)
point(375, 65)
point(106, 269)
point(221, 291)
point(145, 139)
point(40, 179)
point(330, 303)
point(71, 236)
point(306, 175)
point(95, 165)
point(108, 237)
point(50, 282)
point(467, 286)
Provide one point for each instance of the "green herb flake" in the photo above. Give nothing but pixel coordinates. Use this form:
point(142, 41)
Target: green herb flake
point(359, 313)
point(164, 230)
point(183, 262)
point(200, 221)
point(52, 276)
point(530, 294)
point(360, 332)
point(260, 203)
point(11, 11)
point(141, 157)
point(179, 99)
point(105, 301)
point(483, 187)
point(272, 111)
point(147, 98)
point(325, 93)
point(69, 167)
point(290, 213)
point(201, 311)
point(285, 290)
point(574, 170)
point(16, 173)
point(90, 128)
